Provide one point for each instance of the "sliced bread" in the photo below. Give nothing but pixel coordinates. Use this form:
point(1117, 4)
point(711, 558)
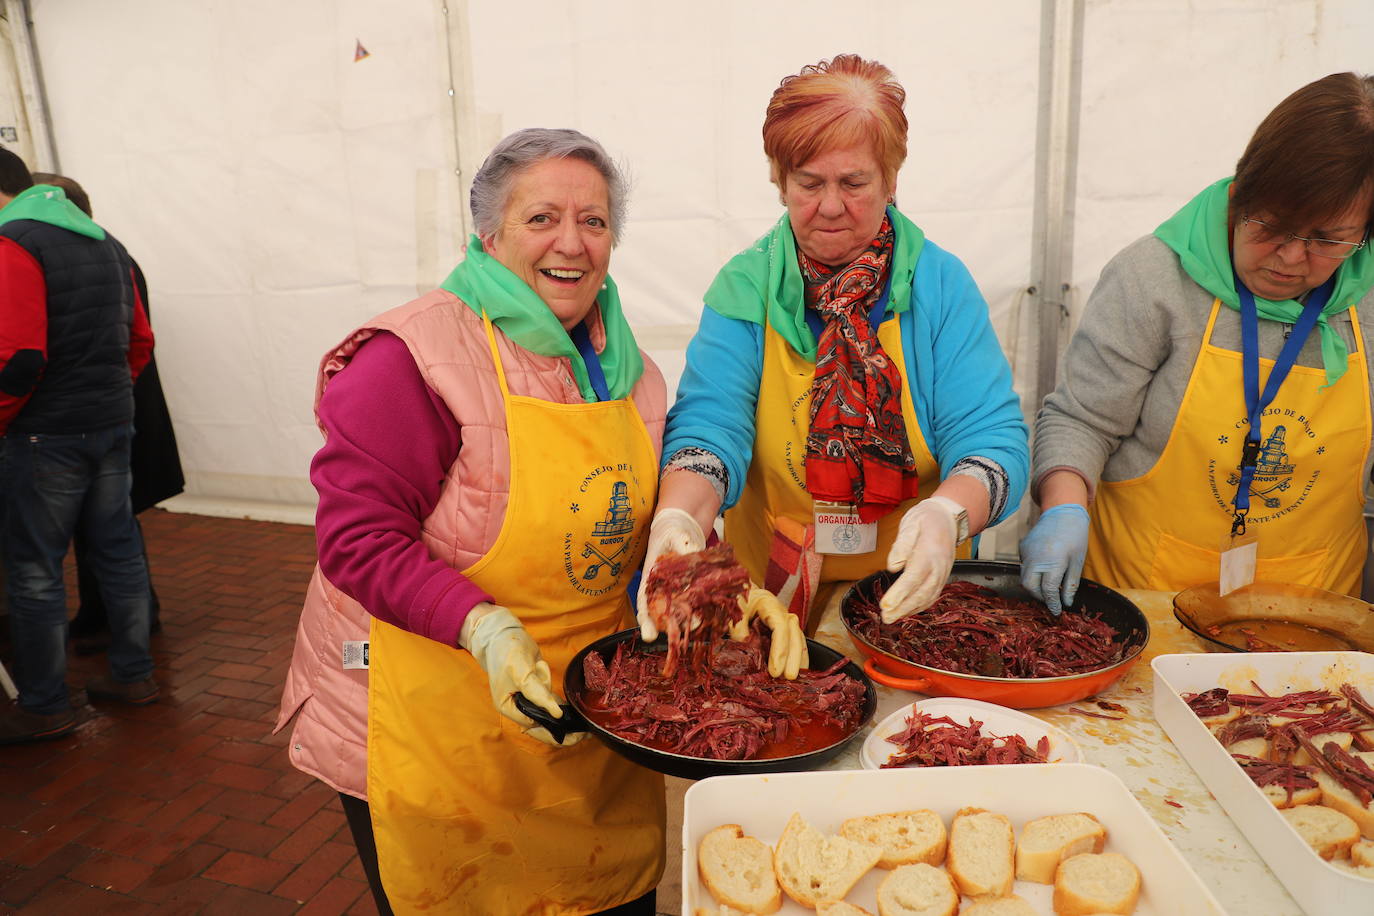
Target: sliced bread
point(1329, 832)
point(813, 868)
point(981, 856)
point(1001, 906)
point(1278, 796)
point(1047, 841)
point(1337, 796)
point(723, 911)
point(1319, 741)
point(1252, 747)
point(1362, 854)
point(1096, 883)
point(738, 870)
point(840, 908)
point(905, 837)
point(917, 890)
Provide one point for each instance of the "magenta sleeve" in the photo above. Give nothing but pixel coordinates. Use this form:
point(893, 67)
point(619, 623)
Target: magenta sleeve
point(376, 486)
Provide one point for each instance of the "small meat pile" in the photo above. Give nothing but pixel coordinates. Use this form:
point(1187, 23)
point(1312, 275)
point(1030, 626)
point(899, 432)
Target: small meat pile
point(705, 586)
point(973, 630)
point(939, 741)
point(729, 709)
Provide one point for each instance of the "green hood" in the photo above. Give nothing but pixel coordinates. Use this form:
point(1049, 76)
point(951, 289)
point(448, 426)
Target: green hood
point(48, 204)
point(765, 279)
point(1198, 234)
point(486, 285)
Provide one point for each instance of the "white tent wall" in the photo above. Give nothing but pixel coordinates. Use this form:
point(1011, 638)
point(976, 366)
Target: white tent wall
point(277, 193)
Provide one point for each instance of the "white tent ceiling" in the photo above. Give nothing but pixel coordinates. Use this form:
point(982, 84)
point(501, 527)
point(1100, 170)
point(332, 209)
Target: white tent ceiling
point(277, 192)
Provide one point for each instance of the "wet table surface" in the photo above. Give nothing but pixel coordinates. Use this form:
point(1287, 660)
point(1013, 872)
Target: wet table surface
point(1138, 751)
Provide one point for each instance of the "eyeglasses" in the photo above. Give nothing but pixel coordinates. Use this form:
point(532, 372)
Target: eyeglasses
point(1268, 234)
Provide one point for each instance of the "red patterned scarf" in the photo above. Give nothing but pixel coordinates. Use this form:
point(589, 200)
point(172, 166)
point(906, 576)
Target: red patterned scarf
point(857, 450)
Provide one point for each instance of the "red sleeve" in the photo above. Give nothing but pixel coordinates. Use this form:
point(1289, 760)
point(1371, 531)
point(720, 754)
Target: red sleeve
point(141, 335)
point(23, 328)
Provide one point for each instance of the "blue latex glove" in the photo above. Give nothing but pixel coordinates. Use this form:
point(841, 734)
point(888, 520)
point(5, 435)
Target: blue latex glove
point(1052, 555)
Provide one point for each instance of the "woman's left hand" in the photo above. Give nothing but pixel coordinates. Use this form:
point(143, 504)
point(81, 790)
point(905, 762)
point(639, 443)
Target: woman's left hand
point(924, 553)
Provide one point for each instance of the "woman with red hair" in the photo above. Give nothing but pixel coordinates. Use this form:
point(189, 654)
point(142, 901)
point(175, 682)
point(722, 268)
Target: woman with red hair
point(845, 399)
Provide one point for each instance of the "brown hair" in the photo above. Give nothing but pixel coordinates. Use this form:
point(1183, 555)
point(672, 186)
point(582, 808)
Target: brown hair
point(836, 104)
point(1313, 156)
point(75, 193)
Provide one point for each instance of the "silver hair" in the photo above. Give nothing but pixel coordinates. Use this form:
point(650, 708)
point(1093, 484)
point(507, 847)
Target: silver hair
point(491, 186)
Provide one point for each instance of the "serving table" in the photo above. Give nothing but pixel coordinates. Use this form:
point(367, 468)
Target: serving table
point(1139, 753)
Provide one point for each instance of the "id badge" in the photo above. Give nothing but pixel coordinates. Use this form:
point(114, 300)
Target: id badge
point(839, 530)
point(1238, 558)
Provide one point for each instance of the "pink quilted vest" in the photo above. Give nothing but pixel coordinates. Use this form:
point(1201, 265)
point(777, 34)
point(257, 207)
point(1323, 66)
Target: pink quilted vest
point(450, 348)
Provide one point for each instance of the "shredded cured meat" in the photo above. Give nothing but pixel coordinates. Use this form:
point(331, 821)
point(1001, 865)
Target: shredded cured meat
point(1214, 702)
point(730, 709)
point(1268, 773)
point(704, 586)
point(939, 741)
point(970, 629)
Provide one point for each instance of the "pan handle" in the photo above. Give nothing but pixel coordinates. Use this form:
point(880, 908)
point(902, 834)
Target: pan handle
point(571, 721)
point(917, 685)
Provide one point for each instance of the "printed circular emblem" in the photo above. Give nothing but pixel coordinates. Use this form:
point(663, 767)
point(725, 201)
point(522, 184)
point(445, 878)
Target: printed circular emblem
point(801, 425)
point(846, 539)
point(601, 545)
point(1285, 471)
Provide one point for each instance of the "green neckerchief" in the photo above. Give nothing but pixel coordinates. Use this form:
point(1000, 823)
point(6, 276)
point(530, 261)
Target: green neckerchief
point(1198, 233)
point(765, 279)
point(485, 284)
point(48, 204)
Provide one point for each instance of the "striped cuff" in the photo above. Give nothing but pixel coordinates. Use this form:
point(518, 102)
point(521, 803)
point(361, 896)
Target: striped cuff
point(993, 478)
point(704, 463)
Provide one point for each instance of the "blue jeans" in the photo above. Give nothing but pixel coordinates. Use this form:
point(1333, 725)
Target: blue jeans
point(51, 487)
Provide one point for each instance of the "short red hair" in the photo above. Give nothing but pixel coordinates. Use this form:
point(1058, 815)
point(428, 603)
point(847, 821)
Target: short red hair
point(836, 104)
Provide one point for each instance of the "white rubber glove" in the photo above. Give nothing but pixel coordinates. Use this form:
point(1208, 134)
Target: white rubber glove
point(924, 553)
point(672, 531)
point(511, 659)
point(787, 652)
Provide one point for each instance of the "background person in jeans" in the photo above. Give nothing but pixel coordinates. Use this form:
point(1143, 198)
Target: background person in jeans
point(73, 336)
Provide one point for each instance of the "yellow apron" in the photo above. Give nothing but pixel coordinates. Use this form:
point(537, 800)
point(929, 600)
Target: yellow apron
point(470, 814)
point(1164, 530)
point(775, 486)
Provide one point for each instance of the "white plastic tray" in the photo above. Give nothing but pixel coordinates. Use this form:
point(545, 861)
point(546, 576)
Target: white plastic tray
point(997, 720)
point(762, 805)
point(1318, 886)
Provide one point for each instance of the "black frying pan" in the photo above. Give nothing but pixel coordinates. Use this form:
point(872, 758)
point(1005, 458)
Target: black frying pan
point(575, 720)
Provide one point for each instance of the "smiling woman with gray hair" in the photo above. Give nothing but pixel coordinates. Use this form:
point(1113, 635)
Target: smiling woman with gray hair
point(481, 443)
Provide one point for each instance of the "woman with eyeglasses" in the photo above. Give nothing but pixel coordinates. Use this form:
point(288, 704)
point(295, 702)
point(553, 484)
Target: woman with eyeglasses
point(1217, 389)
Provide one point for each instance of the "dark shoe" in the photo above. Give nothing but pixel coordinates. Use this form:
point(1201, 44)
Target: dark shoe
point(137, 693)
point(19, 726)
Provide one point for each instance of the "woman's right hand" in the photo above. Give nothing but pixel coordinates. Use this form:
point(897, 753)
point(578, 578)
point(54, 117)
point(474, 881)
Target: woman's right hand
point(513, 663)
point(672, 531)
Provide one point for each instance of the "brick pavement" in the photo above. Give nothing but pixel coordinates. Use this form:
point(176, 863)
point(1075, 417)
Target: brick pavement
point(188, 805)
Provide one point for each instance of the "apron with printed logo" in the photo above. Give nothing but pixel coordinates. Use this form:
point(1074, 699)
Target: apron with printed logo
point(470, 814)
point(1164, 530)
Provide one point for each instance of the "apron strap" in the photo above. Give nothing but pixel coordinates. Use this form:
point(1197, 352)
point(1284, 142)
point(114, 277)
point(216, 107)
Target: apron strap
point(496, 356)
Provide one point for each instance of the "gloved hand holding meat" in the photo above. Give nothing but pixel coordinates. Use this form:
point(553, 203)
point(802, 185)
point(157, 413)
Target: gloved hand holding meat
point(693, 591)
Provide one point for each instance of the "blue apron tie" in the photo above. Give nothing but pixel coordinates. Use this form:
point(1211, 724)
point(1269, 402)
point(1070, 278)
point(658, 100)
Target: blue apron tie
point(595, 375)
point(1255, 403)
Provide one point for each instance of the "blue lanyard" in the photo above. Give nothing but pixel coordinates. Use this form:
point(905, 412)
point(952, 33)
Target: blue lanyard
point(583, 339)
point(1255, 403)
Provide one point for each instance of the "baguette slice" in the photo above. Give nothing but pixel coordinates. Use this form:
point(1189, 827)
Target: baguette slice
point(1253, 747)
point(1335, 795)
point(1002, 906)
point(738, 870)
point(813, 868)
point(1362, 854)
point(981, 853)
point(1343, 739)
point(1047, 841)
point(840, 908)
point(1278, 796)
point(1096, 883)
point(1329, 832)
point(723, 911)
point(905, 837)
point(917, 890)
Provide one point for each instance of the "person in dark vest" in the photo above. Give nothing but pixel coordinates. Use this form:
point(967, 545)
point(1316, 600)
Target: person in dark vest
point(74, 337)
point(154, 463)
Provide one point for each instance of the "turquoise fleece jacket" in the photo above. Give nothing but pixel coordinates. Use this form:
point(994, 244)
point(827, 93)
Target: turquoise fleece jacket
point(958, 375)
